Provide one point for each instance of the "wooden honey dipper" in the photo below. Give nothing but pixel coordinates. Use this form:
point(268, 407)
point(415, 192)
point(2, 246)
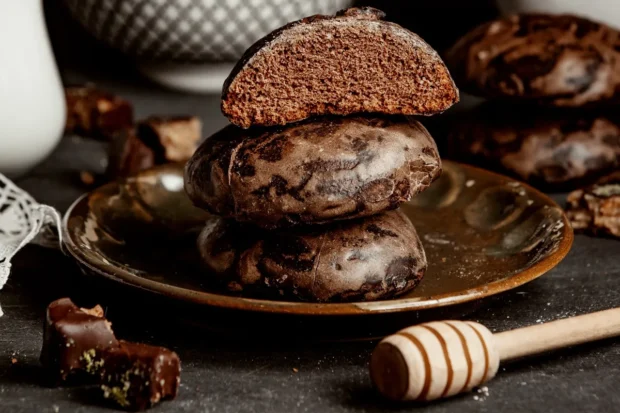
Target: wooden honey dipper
point(440, 359)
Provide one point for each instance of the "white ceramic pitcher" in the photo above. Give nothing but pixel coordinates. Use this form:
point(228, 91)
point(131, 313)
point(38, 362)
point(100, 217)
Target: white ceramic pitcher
point(32, 105)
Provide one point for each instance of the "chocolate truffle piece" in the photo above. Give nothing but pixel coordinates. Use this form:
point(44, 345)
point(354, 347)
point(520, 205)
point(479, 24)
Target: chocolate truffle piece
point(558, 60)
point(128, 155)
point(74, 339)
point(312, 172)
point(155, 141)
point(173, 139)
point(138, 376)
point(552, 149)
point(344, 64)
point(596, 209)
point(372, 258)
point(94, 112)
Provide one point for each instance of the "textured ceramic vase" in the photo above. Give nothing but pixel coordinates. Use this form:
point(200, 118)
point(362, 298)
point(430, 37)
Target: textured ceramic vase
point(32, 105)
point(190, 45)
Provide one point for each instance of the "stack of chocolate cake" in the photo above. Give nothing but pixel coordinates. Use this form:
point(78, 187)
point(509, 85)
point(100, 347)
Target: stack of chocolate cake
point(320, 154)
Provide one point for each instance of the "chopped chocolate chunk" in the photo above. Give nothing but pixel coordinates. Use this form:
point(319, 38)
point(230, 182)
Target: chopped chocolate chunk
point(137, 376)
point(96, 113)
point(174, 139)
point(596, 209)
point(73, 339)
point(128, 155)
point(155, 141)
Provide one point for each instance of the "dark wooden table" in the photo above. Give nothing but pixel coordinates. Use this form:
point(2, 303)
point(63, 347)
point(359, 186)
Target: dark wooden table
point(249, 375)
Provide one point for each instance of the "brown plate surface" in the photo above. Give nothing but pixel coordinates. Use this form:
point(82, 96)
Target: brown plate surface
point(483, 234)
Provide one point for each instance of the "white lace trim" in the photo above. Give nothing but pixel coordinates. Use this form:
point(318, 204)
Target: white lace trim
point(23, 220)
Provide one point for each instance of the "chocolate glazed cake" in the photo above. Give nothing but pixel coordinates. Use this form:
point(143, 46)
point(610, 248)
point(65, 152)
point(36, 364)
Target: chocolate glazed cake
point(349, 63)
point(314, 172)
point(366, 259)
point(557, 60)
point(551, 149)
point(305, 178)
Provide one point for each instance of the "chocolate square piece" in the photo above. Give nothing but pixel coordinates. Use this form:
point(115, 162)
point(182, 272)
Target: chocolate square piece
point(128, 155)
point(596, 209)
point(174, 139)
point(96, 113)
point(74, 338)
point(137, 376)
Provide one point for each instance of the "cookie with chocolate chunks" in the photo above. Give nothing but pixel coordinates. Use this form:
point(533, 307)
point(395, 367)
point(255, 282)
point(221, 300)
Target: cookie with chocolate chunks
point(138, 376)
point(558, 60)
point(313, 172)
point(552, 149)
point(366, 259)
point(596, 209)
point(74, 339)
point(349, 63)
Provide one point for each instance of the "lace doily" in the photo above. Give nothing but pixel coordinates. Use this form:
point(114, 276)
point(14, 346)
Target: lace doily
point(23, 220)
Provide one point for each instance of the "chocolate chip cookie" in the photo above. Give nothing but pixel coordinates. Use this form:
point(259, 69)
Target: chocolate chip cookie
point(365, 259)
point(349, 63)
point(314, 172)
point(558, 60)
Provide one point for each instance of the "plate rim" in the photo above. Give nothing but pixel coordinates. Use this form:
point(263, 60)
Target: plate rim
point(394, 305)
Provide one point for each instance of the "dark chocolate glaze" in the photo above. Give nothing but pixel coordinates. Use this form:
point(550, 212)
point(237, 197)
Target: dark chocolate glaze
point(138, 376)
point(365, 259)
point(312, 172)
point(74, 339)
point(552, 149)
point(558, 60)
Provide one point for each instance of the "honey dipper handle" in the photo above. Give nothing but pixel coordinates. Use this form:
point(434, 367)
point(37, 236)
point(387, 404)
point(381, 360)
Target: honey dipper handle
point(557, 334)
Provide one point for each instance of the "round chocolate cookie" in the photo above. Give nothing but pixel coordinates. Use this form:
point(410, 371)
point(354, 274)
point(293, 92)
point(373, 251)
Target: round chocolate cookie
point(366, 259)
point(312, 172)
point(553, 149)
point(559, 60)
point(349, 63)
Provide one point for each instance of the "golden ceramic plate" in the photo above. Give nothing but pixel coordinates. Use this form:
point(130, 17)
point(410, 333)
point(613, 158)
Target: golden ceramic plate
point(483, 234)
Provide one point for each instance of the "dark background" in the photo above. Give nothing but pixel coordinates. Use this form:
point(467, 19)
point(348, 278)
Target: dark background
point(439, 22)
